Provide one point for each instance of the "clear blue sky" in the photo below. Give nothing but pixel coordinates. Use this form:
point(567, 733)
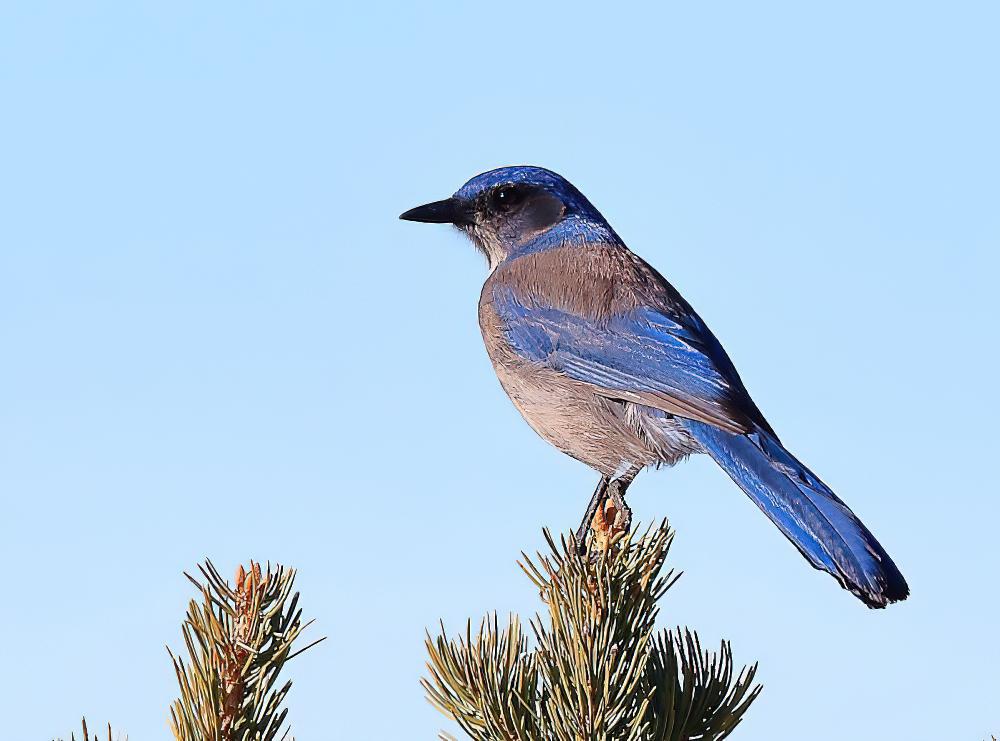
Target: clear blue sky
point(218, 340)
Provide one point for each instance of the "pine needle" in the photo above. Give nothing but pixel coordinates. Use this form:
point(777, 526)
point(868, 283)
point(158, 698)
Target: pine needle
point(596, 668)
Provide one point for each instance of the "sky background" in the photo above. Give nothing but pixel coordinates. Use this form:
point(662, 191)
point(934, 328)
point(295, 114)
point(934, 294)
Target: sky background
point(219, 341)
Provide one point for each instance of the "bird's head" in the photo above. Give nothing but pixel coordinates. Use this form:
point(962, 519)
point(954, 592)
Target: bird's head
point(510, 209)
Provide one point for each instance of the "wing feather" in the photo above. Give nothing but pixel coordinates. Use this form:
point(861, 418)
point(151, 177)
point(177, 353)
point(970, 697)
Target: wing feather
point(644, 356)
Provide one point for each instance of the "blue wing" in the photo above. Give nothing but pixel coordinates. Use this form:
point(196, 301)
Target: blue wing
point(665, 359)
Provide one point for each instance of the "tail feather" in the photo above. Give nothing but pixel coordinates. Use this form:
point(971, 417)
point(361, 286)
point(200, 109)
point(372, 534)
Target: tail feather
point(820, 525)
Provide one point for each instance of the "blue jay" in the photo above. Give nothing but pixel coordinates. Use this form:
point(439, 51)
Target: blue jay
point(606, 361)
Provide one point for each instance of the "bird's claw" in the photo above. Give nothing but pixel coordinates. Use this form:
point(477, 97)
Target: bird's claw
point(612, 518)
point(623, 515)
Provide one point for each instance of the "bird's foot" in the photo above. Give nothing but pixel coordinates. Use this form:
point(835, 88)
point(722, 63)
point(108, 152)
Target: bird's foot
point(623, 516)
point(611, 518)
point(607, 515)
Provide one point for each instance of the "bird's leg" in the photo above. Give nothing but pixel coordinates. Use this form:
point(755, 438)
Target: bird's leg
point(596, 501)
point(616, 493)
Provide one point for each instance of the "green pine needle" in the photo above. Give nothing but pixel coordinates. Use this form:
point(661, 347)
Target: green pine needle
point(238, 639)
point(598, 669)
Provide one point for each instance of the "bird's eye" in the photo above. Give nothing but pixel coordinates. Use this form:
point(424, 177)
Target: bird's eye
point(506, 197)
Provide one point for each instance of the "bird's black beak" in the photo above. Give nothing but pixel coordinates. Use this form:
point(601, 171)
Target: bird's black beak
point(448, 211)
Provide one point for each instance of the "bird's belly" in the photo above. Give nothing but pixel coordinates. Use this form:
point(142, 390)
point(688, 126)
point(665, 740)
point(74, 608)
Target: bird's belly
point(573, 418)
point(609, 435)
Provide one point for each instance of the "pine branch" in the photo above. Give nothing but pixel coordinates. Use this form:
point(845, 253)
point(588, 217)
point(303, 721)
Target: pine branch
point(237, 639)
point(598, 669)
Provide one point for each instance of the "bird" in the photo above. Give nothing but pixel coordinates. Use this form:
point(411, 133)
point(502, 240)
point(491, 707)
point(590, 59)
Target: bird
point(605, 359)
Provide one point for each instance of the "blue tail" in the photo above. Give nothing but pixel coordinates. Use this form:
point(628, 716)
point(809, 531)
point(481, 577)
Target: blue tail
point(806, 511)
